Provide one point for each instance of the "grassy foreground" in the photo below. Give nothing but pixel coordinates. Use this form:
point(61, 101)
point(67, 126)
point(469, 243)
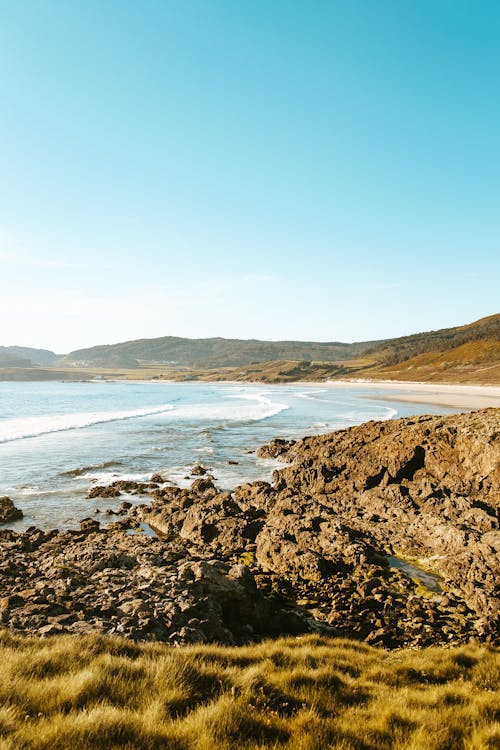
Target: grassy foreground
point(310, 693)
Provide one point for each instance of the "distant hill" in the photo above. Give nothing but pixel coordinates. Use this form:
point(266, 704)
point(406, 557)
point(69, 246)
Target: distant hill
point(212, 352)
point(22, 356)
point(467, 353)
point(394, 351)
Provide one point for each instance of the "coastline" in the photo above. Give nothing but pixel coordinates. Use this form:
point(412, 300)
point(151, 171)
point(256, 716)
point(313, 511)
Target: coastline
point(458, 396)
point(363, 539)
point(466, 396)
point(437, 394)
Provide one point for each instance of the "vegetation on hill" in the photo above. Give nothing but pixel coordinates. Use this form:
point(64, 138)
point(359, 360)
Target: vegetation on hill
point(309, 693)
point(287, 361)
point(22, 356)
point(12, 360)
point(473, 362)
point(212, 352)
point(394, 351)
point(464, 354)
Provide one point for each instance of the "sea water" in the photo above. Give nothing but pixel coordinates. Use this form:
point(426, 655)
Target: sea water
point(59, 439)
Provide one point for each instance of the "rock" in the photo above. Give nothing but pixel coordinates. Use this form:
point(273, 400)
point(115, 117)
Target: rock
point(203, 486)
point(275, 448)
point(8, 511)
point(426, 486)
point(123, 507)
point(51, 629)
point(89, 524)
point(101, 491)
point(158, 479)
point(307, 553)
point(11, 602)
point(198, 470)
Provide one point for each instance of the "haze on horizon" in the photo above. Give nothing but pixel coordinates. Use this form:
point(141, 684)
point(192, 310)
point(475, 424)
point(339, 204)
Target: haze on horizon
point(325, 172)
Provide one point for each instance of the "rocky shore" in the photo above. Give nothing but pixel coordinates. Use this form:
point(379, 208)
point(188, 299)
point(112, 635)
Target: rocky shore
point(341, 542)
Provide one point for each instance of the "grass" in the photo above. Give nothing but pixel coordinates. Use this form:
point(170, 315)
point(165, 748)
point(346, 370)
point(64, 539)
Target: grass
point(310, 693)
point(476, 363)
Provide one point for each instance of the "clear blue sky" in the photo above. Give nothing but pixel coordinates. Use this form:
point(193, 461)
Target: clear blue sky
point(251, 168)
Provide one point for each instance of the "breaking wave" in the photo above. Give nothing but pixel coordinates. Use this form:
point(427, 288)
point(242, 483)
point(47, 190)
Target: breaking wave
point(29, 427)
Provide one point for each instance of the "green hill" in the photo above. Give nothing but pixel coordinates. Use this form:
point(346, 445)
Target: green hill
point(212, 352)
point(467, 353)
point(23, 356)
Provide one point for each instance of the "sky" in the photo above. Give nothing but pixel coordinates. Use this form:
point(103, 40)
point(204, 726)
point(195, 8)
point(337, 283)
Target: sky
point(274, 169)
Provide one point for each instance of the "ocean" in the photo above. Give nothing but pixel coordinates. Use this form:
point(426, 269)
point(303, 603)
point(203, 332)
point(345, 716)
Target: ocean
point(59, 439)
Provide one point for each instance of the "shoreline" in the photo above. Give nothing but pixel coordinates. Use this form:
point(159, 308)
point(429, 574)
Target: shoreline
point(436, 394)
point(466, 396)
point(457, 396)
point(235, 547)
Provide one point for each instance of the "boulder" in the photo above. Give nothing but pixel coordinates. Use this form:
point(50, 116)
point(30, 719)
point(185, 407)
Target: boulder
point(8, 511)
point(89, 524)
point(277, 448)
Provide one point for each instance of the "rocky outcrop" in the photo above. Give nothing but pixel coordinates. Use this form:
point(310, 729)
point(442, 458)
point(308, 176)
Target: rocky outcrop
point(321, 548)
point(275, 448)
point(111, 581)
point(424, 489)
point(8, 511)
point(122, 485)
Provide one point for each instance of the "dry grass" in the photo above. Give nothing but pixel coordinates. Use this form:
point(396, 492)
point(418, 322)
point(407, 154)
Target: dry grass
point(300, 694)
point(476, 362)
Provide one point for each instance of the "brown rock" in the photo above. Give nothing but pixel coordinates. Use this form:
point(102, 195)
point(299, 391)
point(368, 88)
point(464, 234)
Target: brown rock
point(102, 491)
point(89, 524)
point(277, 448)
point(8, 511)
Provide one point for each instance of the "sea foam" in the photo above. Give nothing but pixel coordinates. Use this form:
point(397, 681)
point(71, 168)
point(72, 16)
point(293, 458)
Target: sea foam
point(260, 407)
point(29, 427)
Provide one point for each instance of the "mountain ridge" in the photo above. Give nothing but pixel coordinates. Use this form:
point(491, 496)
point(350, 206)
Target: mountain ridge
point(25, 356)
point(221, 352)
point(469, 352)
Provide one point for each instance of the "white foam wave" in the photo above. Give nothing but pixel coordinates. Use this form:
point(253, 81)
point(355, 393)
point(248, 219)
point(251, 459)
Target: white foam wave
point(383, 414)
point(310, 397)
point(28, 427)
point(260, 408)
point(38, 491)
point(345, 402)
point(106, 477)
point(355, 417)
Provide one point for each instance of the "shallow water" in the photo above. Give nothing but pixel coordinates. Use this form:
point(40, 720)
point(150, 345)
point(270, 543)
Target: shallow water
point(59, 439)
point(431, 581)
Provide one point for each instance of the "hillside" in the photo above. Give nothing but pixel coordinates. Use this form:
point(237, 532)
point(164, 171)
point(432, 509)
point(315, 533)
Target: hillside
point(216, 353)
point(473, 362)
point(463, 354)
point(394, 351)
point(22, 356)
point(212, 352)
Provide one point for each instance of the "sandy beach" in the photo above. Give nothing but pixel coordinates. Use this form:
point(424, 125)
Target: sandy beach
point(458, 396)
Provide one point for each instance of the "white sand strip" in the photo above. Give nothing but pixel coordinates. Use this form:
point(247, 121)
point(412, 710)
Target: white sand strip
point(458, 396)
